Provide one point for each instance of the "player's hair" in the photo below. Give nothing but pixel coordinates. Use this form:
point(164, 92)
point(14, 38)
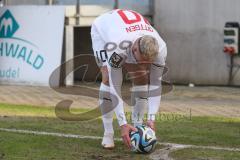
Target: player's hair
point(148, 47)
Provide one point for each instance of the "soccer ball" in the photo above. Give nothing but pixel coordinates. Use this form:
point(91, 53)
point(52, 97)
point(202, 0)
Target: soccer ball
point(143, 140)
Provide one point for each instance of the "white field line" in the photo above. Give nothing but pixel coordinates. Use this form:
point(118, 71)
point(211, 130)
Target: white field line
point(173, 146)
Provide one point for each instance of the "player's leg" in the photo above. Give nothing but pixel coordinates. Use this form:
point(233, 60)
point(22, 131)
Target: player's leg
point(140, 101)
point(104, 90)
point(106, 109)
point(139, 94)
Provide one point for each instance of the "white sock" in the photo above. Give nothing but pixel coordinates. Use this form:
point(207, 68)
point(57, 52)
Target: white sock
point(140, 101)
point(105, 104)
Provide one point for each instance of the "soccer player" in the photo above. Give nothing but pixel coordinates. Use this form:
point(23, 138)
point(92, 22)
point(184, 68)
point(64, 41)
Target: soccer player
point(125, 39)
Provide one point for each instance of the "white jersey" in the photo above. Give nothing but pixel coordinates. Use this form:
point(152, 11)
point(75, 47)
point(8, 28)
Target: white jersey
point(119, 26)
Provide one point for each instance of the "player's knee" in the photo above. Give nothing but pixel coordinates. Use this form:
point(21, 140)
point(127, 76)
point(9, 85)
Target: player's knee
point(105, 81)
point(105, 76)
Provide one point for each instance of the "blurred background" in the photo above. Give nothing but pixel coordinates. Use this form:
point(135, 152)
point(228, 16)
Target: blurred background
point(193, 30)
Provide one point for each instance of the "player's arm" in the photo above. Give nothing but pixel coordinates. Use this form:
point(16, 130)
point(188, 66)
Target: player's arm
point(155, 88)
point(115, 82)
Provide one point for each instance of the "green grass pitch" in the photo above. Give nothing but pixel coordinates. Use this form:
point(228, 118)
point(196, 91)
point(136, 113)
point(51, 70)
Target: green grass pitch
point(202, 131)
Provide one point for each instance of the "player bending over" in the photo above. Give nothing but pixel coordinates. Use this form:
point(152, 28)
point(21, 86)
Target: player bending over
point(125, 39)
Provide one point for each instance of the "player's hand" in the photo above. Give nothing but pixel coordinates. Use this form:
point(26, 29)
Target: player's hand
point(151, 124)
point(125, 130)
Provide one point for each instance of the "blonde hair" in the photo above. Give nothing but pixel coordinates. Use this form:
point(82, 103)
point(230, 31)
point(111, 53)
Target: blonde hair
point(148, 47)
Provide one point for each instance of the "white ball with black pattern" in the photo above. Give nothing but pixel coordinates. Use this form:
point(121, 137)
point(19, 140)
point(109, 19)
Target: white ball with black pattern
point(143, 140)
